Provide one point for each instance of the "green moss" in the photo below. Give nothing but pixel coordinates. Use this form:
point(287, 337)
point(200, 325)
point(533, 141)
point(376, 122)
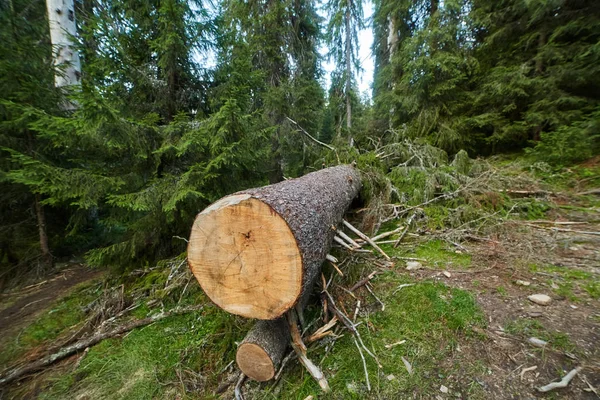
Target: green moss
point(572, 281)
point(437, 253)
point(593, 289)
point(149, 361)
point(431, 317)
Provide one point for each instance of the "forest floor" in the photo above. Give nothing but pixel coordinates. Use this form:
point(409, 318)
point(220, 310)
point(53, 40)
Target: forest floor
point(457, 326)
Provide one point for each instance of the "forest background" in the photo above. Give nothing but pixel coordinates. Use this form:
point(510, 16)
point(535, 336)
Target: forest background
point(184, 101)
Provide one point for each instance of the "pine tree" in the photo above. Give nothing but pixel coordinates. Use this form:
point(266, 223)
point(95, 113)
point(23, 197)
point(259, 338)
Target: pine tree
point(345, 20)
point(539, 61)
point(424, 84)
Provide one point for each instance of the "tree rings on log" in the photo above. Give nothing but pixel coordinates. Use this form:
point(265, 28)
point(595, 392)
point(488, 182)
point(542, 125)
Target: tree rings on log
point(256, 253)
point(246, 258)
point(262, 350)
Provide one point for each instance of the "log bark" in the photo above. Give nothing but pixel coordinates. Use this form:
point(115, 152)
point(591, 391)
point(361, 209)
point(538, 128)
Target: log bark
point(263, 348)
point(257, 252)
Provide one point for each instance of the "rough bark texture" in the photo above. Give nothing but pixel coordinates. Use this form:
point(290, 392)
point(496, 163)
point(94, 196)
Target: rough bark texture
point(273, 338)
point(311, 205)
point(256, 253)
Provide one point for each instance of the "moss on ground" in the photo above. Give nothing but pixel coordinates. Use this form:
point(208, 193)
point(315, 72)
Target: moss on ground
point(432, 318)
point(183, 353)
point(437, 253)
point(527, 328)
point(572, 284)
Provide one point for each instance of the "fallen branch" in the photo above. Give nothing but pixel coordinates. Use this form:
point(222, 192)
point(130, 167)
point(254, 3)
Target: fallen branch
point(410, 220)
point(563, 230)
point(300, 350)
point(366, 238)
point(238, 387)
point(526, 193)
point(99, 336)
point(340, 241)
point(363, 281)
point(564, 382)
point(301, 129)
point(346, 237)
point(386, 234)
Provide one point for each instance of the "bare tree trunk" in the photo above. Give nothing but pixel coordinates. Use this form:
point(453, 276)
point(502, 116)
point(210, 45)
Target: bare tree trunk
point(539, 69)
point(392, 40)
point(433, 7)
point(61, 18)
point(41, 221)
point(348, 69)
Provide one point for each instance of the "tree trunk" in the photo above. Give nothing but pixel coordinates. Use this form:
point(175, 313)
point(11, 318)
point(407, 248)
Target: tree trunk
point(348, 69)
point(61, 18)
point(392, 39)
point(256, 252)
point(41, 221)
point(433, 7)
point(263, 348)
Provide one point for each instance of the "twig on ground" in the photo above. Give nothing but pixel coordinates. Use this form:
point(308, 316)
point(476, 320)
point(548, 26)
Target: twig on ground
point(351, 326)
point(287, 358)
point(563, 230)
point(389, 346)
point(564, 382)
point(343, 243)
point(407, 365)
point(376, 298)
point(363, 282)
point(408, 223)
point(18, 372)
point(300, 349)
point(400, 287)
point(386, 234)
point(364, 364)
point(356, 310)
point(527, 370)
point(347, 238)
point(366, 238)
point(323, 331)
point(238, 387)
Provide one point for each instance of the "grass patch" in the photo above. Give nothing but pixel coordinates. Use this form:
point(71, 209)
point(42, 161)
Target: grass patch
point(437, 253)
point(182, 354)
point(533, 328)
point(63, 314)
point(431, 317)
point(593, 289)
point(573, 279)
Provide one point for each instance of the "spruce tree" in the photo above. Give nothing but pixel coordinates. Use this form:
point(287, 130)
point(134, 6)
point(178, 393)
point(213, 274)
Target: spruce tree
point(345, 20)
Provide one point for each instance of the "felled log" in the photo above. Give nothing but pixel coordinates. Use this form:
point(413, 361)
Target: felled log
point(256, 252)
point(263, 348)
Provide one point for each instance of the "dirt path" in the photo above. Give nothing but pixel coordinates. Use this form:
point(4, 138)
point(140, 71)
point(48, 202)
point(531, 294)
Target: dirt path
point(35, 298)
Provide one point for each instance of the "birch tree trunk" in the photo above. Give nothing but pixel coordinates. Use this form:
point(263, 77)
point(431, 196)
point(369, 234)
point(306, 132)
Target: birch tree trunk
point(61, 18)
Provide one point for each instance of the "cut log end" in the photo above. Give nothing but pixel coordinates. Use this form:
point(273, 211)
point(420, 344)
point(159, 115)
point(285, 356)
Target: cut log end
point(246, 258)
point(254, 361)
